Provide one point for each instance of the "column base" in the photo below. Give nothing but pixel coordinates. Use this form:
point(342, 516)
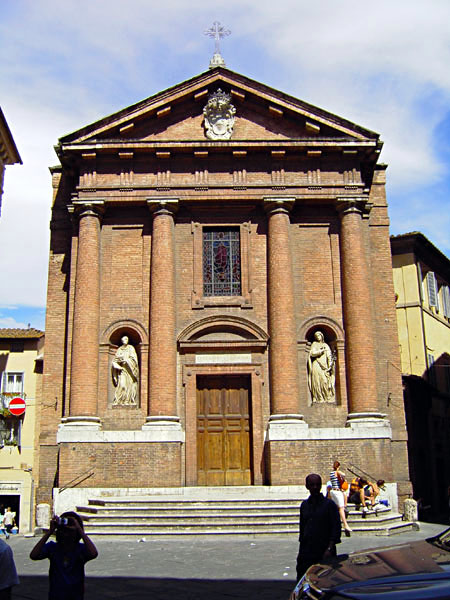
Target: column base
point(368, 420)
point(90, 423)
point(165, 428)
point(286, 427)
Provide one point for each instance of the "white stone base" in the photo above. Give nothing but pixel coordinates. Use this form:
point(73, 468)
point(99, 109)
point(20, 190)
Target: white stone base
point(286, 427)
point(359, 426)
point(369, 421)
point(164, 428)
point(88, 430)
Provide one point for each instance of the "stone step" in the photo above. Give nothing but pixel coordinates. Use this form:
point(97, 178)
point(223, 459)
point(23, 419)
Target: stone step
point(183, 503)
point(187, 511)
point(249, 531)
point(206, 512)
point(181, 521)
point(197, 529)
point(391, 528)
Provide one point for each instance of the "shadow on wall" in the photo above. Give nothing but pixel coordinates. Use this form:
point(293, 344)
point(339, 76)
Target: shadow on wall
point(140, 588)
point(3, 362)
point(427, 410)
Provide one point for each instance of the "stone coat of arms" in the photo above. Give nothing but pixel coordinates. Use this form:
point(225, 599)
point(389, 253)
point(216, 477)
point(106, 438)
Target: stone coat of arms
point(219, 116)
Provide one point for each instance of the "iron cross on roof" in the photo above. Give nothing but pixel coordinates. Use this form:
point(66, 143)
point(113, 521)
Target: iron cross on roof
point(217, 31)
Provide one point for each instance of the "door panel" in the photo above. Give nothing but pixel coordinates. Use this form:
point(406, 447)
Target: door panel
point(223, 430)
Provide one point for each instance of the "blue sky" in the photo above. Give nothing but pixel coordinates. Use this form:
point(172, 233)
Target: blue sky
point(383, 65)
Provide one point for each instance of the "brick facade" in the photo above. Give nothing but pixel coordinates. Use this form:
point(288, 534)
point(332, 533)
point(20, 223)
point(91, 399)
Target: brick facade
point(131, 200)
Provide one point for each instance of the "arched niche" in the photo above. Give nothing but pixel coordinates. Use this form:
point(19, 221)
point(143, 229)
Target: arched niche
point(110, 340)
point(334, 337)
point(131, 328)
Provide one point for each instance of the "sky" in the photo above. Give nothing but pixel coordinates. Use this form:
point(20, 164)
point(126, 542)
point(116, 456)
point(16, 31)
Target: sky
point(383, 65)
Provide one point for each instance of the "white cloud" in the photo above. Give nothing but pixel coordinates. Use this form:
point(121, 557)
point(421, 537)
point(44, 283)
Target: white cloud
point(11, 323)
point(383, 65)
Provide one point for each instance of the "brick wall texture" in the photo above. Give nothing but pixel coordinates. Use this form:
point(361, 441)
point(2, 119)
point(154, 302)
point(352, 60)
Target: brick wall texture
point(338, 281)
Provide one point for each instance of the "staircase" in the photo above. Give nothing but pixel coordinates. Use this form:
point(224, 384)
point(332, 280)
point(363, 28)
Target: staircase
point(381, 521)
point(218, 511)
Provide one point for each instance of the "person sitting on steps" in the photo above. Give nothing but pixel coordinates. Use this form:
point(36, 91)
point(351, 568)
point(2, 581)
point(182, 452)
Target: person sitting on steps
point(372, 490)
point(356, 495)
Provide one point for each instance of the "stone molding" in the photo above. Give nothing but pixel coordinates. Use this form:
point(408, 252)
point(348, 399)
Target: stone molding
point(150, 435)
point(124, 324)
point(244, 300)
point(162, 206)
point(359, 204)
point(273, 204)
point(225, 322)
point(318, 321)
point(295, 430)
point(83, 208)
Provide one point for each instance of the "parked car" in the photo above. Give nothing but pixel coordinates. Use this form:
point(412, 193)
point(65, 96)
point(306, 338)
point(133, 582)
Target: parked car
point(415, 571)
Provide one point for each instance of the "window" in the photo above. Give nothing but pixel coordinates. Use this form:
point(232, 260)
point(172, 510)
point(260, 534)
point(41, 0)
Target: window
point(221, 261)
point(446, 301)
point(221, 265)
point(432, 287)
point(12, 383)
point(10, 427)
point(431, 370)
point(10, 430)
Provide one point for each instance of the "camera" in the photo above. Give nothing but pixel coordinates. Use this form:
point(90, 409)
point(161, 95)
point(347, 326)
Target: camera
point(62, 521)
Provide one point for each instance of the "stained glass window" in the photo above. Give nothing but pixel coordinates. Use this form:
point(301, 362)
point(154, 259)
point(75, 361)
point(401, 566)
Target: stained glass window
point(221, 261)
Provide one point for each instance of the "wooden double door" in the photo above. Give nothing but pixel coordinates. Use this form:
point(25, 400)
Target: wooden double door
point(223, 430)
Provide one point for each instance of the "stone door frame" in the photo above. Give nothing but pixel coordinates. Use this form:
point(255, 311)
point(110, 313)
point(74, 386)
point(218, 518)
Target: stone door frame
point(190, 373)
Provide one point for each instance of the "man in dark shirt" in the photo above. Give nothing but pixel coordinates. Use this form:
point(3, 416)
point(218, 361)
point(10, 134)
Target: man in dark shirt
point(320, 527)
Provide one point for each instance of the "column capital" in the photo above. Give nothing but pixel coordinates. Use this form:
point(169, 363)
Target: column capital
point(162, 206)
point(274, 204)
point(83, 208)
point(353, 204)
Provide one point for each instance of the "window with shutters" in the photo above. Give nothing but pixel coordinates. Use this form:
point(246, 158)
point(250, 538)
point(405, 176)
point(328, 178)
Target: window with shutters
point(446, 301)
point(431, 370)
point(433, 290)
point(10, 426)
point(12, 383)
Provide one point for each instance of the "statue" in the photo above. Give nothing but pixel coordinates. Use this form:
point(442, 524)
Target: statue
point(321, 371)
point(219, 116)
point(125, 375)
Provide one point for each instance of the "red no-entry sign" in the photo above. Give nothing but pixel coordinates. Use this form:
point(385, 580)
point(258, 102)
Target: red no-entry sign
point(17, 407)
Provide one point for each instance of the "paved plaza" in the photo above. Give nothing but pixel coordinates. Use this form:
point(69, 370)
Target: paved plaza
point(191, 568)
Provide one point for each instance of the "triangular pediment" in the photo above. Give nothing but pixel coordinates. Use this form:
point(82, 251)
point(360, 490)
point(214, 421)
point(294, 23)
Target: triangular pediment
point(261, 114)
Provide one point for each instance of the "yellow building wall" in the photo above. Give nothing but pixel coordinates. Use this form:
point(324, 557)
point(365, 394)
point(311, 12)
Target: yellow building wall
point(16, 463)
point(421, 329)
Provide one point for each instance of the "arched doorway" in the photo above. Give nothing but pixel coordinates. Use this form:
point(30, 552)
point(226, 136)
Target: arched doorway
point(224, 361)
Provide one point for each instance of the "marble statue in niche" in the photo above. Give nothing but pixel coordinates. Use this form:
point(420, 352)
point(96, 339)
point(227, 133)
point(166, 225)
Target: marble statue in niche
point(321, 370)
point(125, 375)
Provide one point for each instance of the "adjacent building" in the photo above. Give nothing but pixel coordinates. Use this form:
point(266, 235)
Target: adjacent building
point(21, 356)
point(220, 301)
point(422, 286)
point(8, 151)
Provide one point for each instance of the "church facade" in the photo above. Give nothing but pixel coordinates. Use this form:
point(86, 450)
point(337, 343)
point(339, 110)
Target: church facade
point(220, 302)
